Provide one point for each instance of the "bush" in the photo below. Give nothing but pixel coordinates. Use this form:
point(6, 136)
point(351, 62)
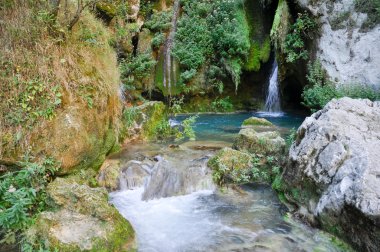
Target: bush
point(222, 105)
point(23, 195)
point(320, 90)
point(136, 68)
point(188, 128)
point(219, 36)
point(301, 30)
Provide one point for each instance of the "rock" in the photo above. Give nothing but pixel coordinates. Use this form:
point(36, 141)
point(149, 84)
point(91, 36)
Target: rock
point(116, 176)
point(230, 165)
point(145, 120)
point(109, 174)
point(333, 167)
point(168, 178)
point(83, 220)
point(344, 48)
point(134, 174)
point(267, 142)
point(255, 121)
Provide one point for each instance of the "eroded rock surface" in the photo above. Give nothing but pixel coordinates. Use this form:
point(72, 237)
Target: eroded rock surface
point(347, 46)
point(334, 160)
point(82, 220)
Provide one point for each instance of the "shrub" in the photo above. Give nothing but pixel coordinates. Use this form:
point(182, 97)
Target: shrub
point(23, 195)
point(320, 90)
point(222, 104)
point(219, 36)
point(188, 128)
point(301, 30)
point(136, 68)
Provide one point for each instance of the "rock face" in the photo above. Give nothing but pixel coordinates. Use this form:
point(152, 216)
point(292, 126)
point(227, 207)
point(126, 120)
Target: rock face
point(346, 47)
point(334, 166)
point(82, 221)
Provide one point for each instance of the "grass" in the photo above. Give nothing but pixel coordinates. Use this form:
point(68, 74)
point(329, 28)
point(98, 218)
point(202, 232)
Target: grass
point(45, 68)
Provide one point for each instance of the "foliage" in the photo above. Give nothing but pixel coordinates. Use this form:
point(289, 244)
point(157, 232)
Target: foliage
point(222, 105)
point(258, 54)
point(219, 36)
point(240, 168)
point(158, 40)
point(159, 21)
point(320, 90)
point(372, 8)
point(23, 195)
point(188, 128)
point(36, 100)
point(291, 137)
point(301, 30)
point(136, 68)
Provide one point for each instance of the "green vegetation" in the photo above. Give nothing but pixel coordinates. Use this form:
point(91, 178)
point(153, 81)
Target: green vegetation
point(295, 42)
point(372, 8)
point(219, 36)
point(222, 105)
point(188, 129)
point(230, 166)
point(320, 90)
point(281, 25)
point(137, 68)
point(23, 195)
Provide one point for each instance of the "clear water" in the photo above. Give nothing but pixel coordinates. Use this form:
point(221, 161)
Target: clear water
point(225, 126)
point(250, 219)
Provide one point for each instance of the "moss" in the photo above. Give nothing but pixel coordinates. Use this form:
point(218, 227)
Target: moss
point(255, 121)
point(281, 25)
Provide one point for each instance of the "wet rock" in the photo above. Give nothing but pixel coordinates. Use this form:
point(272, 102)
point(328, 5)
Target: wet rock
point(334, 166)
point(82, 220)
point(109, 174)
point(168, 178)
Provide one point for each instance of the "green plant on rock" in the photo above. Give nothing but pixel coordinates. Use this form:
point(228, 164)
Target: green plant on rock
point(372, 8)
point(23, 195)
point(295, 42)
point(320, 90)
point(219, 37)
point(136, 68)
point(222, 105)
point(188, 128)
point(35, 101)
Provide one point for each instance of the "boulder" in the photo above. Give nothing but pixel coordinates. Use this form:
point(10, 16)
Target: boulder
point(333, 170)
point(82, 220)
point(230, 165)
point(267, 142)
point(255, 121)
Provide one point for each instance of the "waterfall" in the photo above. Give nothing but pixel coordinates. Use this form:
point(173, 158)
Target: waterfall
point(169, 67)
point(273, 102)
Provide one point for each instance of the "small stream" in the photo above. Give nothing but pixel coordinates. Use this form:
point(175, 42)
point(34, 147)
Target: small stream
point(177, 207)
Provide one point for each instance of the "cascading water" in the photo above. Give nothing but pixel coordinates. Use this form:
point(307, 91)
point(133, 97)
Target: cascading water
point(273, 101)
point(171, 202)
point(169, 66)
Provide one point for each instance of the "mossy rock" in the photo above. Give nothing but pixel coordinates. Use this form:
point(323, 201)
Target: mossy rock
point(255, 121)
point(149, 121)
point(82, 220)
point(229, 165)
point(266, 143)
